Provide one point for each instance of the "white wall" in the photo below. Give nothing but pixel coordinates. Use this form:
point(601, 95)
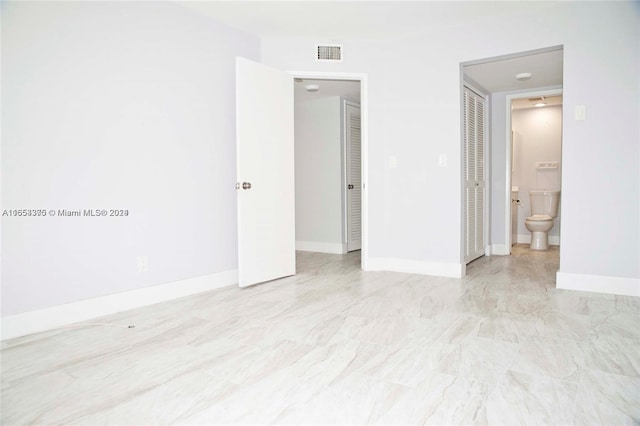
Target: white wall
point(601, 155)
point(414, 114)
point(115, 105)
point(538, 139)
point(318, 157)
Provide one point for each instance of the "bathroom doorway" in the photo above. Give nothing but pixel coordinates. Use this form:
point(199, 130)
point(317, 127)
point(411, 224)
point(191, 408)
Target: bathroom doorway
point(523, 74)
point(534, 157)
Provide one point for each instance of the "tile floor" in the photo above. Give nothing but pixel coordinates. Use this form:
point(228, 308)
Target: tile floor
point(335, 345)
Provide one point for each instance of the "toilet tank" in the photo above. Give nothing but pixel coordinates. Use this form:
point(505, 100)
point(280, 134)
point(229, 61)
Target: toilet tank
point(544, 202)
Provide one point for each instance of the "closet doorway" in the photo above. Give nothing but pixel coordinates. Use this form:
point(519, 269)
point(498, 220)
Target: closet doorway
point(329, 163)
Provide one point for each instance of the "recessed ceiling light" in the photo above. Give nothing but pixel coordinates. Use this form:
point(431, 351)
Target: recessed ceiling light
point(523, 76)
point(312, 87)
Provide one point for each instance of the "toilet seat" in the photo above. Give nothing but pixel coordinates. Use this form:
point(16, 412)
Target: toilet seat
point(539, 217)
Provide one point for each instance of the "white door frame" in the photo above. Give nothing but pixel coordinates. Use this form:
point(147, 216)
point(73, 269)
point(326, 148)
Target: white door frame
point(364, 120)
point(507, 189)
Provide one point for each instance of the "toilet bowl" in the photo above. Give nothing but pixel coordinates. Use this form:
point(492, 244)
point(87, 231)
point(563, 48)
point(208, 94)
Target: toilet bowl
point(539, 225)
point(544, 207)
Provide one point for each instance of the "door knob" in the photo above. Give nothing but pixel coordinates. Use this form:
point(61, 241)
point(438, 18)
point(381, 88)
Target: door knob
point(246, 185)
point(350, 186)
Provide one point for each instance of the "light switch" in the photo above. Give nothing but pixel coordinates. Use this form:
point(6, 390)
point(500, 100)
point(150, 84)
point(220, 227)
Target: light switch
point(143, 264)
point(442, 160)
point(581, 112)
point(393, 162)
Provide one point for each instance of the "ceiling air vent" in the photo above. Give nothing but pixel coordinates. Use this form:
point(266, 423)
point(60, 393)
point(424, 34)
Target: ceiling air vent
point(328, 53)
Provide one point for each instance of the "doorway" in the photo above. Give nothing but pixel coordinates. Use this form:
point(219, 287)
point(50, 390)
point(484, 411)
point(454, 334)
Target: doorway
point(534, 157)
point(516, 75)
point(266, 163)
point(330, 113)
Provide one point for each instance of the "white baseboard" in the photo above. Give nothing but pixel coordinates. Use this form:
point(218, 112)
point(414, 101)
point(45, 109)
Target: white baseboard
point(598, 284)
point(56, 316)
point(452, 270)
point(320, 247)
point(554, 240)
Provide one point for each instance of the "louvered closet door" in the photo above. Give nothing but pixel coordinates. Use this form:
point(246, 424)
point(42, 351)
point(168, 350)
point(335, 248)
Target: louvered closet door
point(354, 177)
point(474, 175)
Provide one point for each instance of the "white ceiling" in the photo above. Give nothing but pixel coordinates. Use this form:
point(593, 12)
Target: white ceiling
point(371, 20)
point(347, 89)
point(499, 75)
point(329, 21)
point(530, 102)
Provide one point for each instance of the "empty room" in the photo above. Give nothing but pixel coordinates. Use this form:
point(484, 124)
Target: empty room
point(452, 234)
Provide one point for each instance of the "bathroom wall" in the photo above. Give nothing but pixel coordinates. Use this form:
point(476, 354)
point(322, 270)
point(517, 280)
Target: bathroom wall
point(537, 138)
point(318, 157)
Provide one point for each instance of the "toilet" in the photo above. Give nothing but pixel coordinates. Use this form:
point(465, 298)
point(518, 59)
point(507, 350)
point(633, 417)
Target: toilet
point(544, 207)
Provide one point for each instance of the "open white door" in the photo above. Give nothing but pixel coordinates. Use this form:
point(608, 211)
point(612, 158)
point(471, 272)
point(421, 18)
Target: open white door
point(265, 171)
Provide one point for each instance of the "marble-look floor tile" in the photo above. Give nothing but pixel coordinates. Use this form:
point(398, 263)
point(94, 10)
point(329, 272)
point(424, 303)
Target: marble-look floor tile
point(527, 399)
point(478, 359)
point(337, 345)
point(255, 363)
point(620, 324)
point(327, 364)
point(407, 363)
point(584, 303)
point(499, 328)
point(380, 331)
point(561, 325)
point(260, 403)
point(31, 398)
point(616, 355)
point(554, 358)
point(439, 399)
point(77, 399)
point(607, 399)
point(522, 306)
point(461, 328)
point(358, 399)
point(165, 404)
